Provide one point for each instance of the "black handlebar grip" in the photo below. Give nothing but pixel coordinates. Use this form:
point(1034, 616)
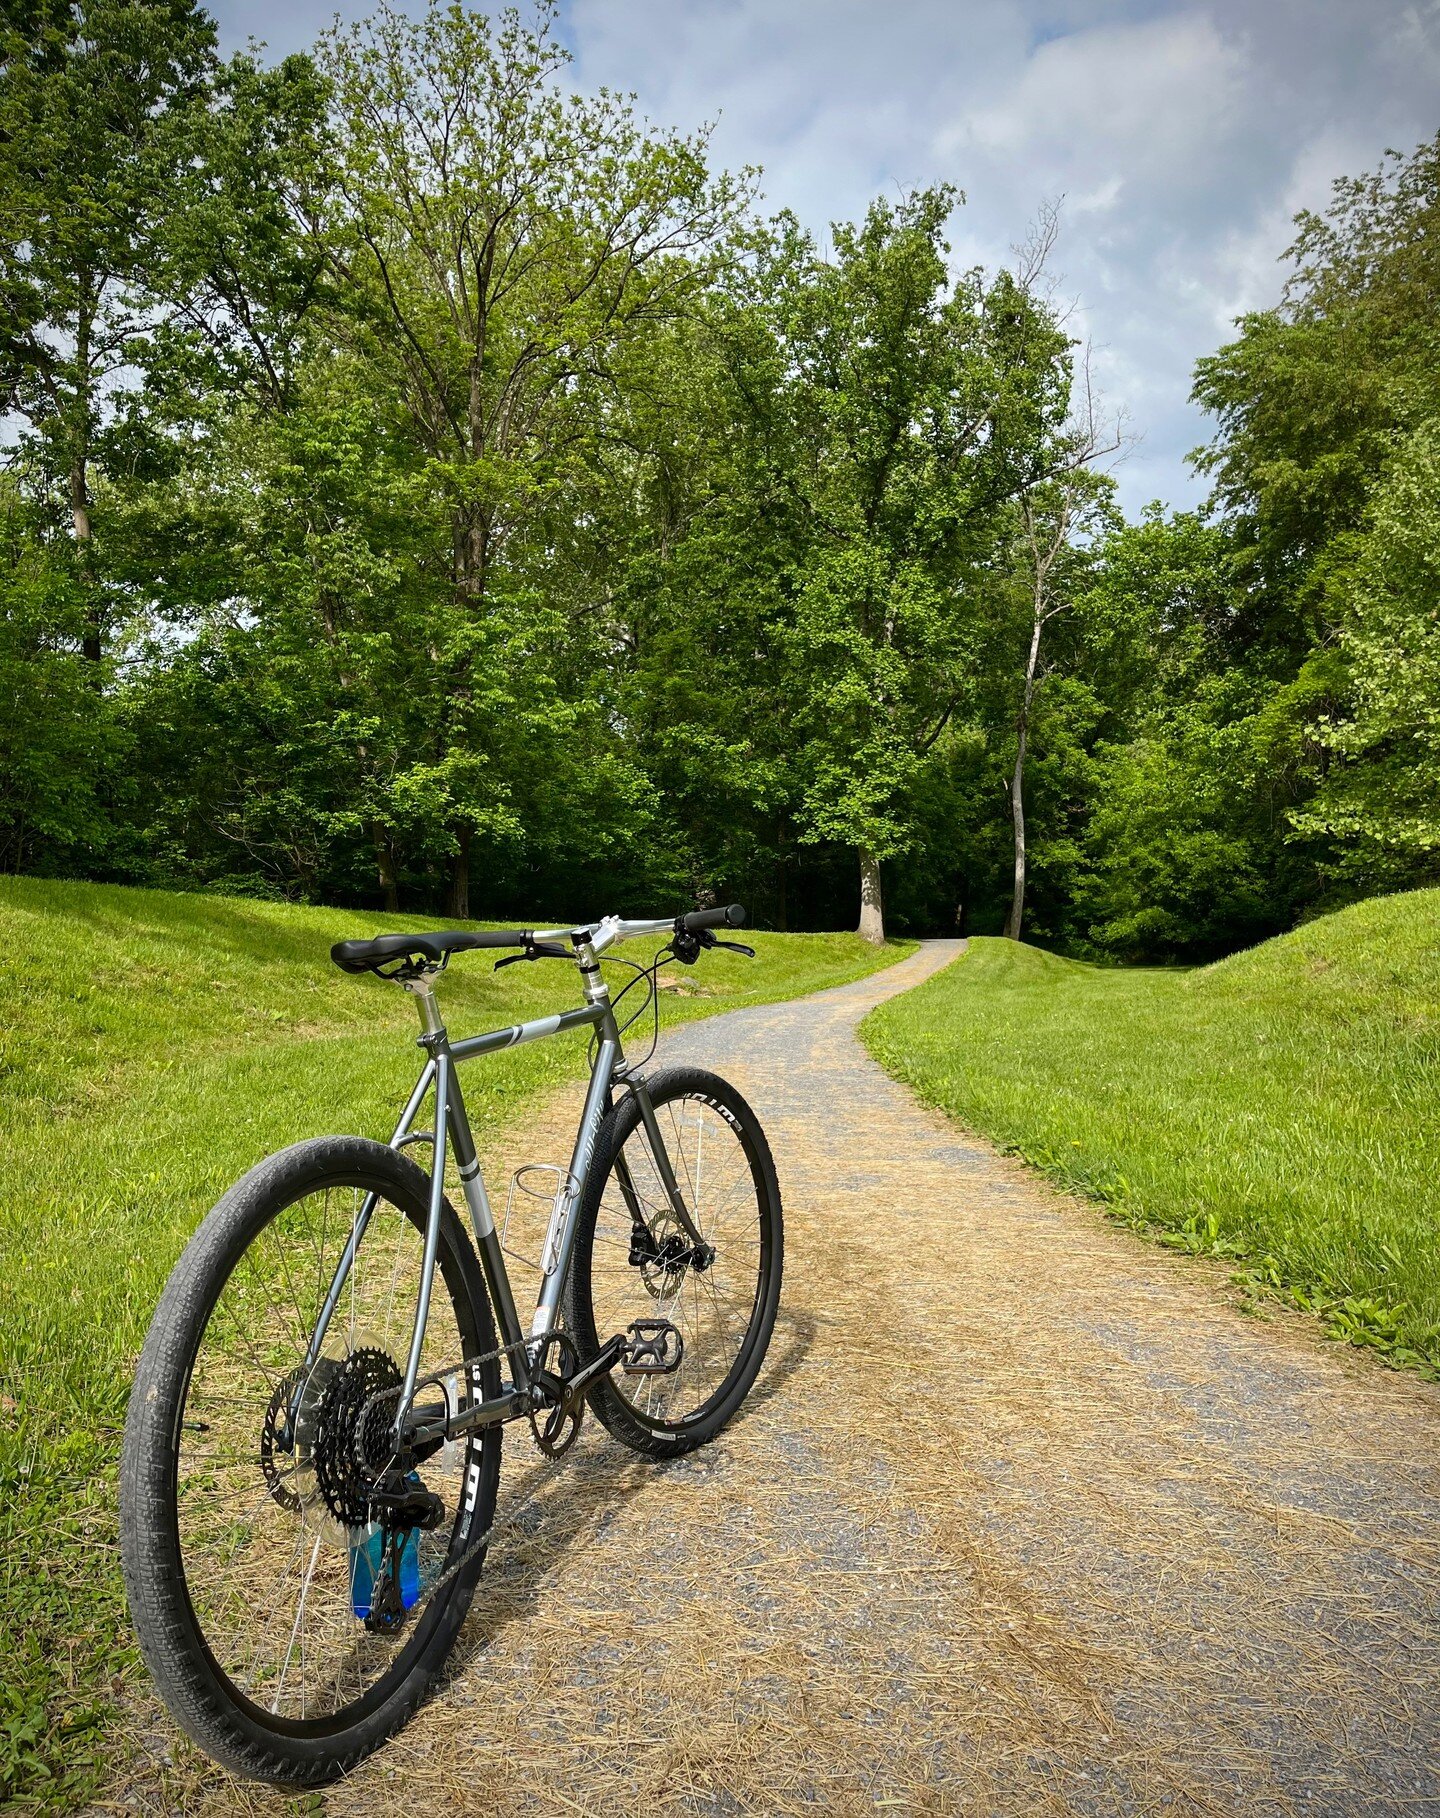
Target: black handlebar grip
point(731, 917)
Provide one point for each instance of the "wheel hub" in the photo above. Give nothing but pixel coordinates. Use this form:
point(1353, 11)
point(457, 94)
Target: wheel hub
point(668, 1255)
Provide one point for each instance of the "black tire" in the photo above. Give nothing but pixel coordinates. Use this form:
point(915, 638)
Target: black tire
point(159, 1508)
point(663, 1416)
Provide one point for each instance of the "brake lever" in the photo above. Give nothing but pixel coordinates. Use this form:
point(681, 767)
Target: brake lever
point(533, 950)
point(736, 947)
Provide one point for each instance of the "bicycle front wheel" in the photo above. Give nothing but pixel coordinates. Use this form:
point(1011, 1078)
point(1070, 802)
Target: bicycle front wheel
point(635, 1261)
point(289, 1623)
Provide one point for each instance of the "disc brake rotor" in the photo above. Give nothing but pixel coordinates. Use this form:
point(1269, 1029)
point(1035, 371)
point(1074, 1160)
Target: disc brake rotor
point(662, 1272)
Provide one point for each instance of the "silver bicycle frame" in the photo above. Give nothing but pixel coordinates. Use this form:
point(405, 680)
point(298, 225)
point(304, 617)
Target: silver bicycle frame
point(451, 1133)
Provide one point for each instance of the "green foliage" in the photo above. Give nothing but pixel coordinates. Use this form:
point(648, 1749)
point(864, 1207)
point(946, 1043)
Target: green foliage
point(154, 1047)
point(57, 737)
point(1324, 467)
point(1275, 1109)
point(93, 104)
point(429, 483)
point(916, 408)
point(1381, 801)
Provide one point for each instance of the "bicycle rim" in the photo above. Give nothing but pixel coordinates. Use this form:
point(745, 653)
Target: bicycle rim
point(714, 1308)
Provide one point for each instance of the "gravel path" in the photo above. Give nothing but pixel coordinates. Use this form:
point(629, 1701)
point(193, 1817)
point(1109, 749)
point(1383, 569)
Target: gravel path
point(1023, 1517)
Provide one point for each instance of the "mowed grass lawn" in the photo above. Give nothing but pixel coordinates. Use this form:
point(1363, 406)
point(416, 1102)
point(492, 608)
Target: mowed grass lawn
point(153, 1046)
point(1279, 1107)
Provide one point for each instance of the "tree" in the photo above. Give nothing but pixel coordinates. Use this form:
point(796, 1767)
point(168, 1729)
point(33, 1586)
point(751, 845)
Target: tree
point(496, 242)
point(55, 748)
point(1057, 518)
point(1381, 799)
point(92, 99)
point(1313, 395)
point(1196, 762)
point(918, 409)
point(1325, 405)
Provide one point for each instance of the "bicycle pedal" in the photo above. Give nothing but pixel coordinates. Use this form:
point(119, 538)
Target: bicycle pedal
point(653, 1348)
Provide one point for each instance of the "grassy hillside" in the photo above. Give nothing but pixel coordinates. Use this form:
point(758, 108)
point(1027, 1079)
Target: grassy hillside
point(1279, 1107)
point(152, 1047)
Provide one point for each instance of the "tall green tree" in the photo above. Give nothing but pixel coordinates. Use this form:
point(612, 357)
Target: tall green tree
point(1058, 519)
point(1379, 798)
point(919, 408)
point(93, 99)
point(497, 241)
point(1325, 407)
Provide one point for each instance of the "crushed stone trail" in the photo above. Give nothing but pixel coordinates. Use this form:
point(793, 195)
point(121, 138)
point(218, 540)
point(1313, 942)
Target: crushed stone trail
point(1023, 1517)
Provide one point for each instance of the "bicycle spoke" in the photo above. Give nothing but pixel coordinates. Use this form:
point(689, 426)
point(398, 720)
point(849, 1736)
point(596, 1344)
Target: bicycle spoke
point(716, 1180)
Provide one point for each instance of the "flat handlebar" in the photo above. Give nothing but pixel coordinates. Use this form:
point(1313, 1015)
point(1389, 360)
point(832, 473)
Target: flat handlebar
point(390, 949)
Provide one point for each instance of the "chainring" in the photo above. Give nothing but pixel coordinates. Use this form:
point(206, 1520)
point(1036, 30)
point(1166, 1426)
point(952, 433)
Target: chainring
point(556, 1428)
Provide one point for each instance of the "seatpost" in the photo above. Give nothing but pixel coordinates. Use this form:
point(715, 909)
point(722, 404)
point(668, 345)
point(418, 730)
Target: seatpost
point(423, 992)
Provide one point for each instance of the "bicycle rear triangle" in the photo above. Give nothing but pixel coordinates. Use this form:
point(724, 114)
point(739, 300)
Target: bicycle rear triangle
point(312, 1449)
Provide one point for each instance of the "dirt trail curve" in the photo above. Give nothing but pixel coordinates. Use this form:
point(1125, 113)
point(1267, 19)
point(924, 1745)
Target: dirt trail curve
point(1022, 1518)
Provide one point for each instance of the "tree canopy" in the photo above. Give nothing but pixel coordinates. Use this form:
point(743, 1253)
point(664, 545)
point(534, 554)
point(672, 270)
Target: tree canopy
point(428, 486)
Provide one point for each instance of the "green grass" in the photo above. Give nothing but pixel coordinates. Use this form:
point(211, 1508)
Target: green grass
point(152, 1047)
point(1278, 1108)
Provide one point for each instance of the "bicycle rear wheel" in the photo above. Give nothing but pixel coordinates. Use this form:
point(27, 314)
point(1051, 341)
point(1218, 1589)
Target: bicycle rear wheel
point(250, 1541)
point(633, 1259)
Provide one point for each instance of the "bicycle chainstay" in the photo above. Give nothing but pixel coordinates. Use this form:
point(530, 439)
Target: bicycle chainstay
point(437, 1378)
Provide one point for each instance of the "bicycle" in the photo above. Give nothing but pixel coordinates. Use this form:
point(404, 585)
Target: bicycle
point(312, 1448)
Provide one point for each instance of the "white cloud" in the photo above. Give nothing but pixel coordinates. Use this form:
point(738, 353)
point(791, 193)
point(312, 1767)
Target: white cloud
point(1139, 97)
point(1184, 134)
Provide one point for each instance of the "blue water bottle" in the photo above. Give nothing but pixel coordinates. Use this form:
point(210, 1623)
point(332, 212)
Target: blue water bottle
point(367, 1561)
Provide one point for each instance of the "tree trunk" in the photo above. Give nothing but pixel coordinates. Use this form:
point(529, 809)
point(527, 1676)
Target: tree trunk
point(92, 633)
point(1017, 780)
point(459, 903)
point(92, 640)
point(1017, 815)
point(385, 868)
point(782, 883)
point(872, 907)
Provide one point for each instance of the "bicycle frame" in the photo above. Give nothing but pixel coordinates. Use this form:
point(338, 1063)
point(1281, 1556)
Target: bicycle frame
point(451, 1135)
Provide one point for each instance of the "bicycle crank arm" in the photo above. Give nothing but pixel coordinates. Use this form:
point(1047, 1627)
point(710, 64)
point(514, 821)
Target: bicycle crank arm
point(605, 1359)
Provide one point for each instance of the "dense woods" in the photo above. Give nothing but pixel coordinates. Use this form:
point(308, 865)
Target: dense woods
point(425, 488)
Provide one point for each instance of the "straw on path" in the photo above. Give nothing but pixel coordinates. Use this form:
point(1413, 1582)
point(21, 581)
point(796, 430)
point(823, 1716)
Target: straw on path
point(1022, 1517)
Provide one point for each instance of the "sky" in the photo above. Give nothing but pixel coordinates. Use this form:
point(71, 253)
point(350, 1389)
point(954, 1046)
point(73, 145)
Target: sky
point(1178, 139)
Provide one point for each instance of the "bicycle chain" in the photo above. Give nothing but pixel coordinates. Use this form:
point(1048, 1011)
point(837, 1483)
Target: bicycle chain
point(438, 1377)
